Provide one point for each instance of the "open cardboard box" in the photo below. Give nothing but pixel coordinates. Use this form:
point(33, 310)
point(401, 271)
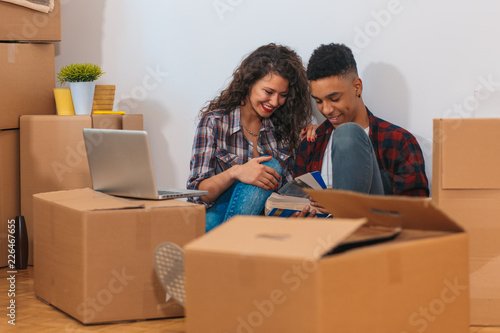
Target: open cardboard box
point(269, 274)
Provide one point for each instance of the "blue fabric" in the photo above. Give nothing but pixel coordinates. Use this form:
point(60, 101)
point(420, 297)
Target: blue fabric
point(354, 162)
point(239, 199)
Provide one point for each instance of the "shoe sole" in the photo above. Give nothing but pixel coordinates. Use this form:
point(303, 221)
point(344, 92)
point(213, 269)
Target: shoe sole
point(169, 266)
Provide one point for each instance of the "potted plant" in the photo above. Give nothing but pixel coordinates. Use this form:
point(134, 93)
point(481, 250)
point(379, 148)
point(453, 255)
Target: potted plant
point(81, 77)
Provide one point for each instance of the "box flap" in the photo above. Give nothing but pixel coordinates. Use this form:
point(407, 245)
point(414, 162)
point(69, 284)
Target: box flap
point(466, 146)
point(276, 237)
point(386, 211)
point(88, 200)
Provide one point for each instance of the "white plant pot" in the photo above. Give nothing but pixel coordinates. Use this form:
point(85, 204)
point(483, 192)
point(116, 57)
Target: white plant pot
point(82, 94)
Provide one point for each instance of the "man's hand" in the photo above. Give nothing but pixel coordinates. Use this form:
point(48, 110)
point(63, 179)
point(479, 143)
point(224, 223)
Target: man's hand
point(316, 206)
point(303, 213)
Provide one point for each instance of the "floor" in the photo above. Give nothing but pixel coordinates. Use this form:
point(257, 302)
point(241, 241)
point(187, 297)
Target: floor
point(34, 315)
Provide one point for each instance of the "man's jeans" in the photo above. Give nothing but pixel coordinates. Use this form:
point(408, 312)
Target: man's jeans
point(354, 163)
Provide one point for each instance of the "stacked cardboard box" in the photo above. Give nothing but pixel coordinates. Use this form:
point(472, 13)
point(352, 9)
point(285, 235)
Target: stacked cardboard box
point(28, 76)
point(53, 155)
point(9, 185)
point(21, 24)
point(94, 253)
point(466, 185)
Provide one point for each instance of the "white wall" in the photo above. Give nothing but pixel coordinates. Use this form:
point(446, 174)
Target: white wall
point(418, 60)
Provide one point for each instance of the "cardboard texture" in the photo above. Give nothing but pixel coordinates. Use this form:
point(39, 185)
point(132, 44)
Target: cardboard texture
point(19, 23)
point(53, 155)
point(9, 186)
point(466, 185)
point(94, 253)
point(27, 81)
point(274, 275)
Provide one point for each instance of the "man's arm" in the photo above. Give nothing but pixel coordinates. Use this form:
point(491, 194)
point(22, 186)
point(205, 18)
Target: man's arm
point(409, 176)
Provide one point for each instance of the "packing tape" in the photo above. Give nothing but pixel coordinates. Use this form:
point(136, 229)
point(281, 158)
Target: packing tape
point(11, 53)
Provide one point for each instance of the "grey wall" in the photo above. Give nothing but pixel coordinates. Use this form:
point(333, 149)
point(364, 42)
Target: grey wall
point(418, 60)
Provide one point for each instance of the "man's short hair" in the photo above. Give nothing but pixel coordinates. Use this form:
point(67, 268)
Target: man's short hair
point(331, 60)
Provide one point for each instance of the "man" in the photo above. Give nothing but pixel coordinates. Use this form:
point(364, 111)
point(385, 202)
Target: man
point(354, 150)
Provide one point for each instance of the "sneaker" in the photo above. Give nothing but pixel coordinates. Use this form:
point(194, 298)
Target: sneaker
point(169, 266)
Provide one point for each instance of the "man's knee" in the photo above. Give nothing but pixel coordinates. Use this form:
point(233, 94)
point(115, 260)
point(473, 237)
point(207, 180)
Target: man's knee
point(349, 130)
point(349, 136)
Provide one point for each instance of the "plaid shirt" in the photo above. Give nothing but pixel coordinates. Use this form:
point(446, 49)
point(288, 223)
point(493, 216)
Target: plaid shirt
point(219, 144)
point(398, 155)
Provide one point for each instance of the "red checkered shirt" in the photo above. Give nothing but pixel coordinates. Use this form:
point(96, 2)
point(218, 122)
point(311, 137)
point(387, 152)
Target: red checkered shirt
point(398, 155)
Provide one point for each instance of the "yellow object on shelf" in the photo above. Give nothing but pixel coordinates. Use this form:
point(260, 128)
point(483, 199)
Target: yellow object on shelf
point(64, 102)
point(108, 112)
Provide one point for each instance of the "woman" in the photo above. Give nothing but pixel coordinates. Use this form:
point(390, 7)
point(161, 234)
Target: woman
point(245, 140)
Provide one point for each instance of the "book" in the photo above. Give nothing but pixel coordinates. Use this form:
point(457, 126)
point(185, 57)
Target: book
point(289, 212)
point(311, 180)
point(291, 197)
point(285, 205)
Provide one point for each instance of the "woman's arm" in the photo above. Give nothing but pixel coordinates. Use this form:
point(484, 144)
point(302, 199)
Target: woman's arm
point(203, 165)
point(252, 173)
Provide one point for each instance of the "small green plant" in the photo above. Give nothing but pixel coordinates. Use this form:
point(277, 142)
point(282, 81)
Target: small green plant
point(79, 73)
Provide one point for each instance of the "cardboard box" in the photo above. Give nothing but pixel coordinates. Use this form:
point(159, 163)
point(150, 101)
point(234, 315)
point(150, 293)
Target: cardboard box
point(9, 186)
point(269, 274)
point(27, 83)
point(53, 155)
point(94, 253)
point(18, 23)
point(466, 185)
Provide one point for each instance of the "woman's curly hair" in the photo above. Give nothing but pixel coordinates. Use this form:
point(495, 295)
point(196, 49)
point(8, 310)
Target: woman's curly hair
point(292, 116)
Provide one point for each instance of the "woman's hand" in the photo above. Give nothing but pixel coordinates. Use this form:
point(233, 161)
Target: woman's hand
point(255, 173)
point(309, 132)
point(251, 172)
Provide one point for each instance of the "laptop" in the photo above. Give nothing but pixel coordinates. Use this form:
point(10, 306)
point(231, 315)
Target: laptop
point(120, 164)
